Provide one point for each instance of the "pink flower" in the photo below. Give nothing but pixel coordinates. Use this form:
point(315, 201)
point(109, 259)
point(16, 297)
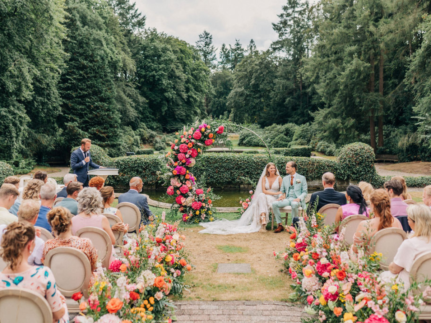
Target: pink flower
point(180, 200)
point(196, 205)
point(376, 319)
point(183, 148)
point(194, 153)
point(175, 182)
point(170, 190)
point(220, 130)
point(180, 170)
point(184, 217)
point(189, 184)
point(208, 142)
point(199, 191)
point(294, 274)
point(322, 268)
point(115, 266)
point(209, 190)
point(301, 246)
point(181, 156)
point(245, 205)
point(310, 299)
point(184, 189)
point(197, 135)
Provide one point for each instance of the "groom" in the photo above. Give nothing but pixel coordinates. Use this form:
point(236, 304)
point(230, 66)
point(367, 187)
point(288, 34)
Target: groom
point(294, 189)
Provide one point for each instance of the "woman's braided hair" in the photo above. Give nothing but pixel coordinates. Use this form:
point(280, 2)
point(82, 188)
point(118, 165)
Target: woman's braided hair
point(14, 241)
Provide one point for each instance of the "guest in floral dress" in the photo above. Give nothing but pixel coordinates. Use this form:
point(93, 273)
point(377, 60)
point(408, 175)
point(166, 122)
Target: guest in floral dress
point(18, 243)
point(60, 220)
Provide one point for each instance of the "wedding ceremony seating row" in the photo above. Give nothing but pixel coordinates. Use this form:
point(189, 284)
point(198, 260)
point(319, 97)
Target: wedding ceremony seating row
point(351, 224)
point(100, 240)
point(131, 215)
point(330, 211)
point(45, 234)
point(387, 242)
point(421, 270)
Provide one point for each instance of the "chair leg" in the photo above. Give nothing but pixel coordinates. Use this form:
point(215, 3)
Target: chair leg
point(272, 221)
point(287, 217)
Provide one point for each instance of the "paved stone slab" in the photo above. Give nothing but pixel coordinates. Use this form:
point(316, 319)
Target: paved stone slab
point(234, 269)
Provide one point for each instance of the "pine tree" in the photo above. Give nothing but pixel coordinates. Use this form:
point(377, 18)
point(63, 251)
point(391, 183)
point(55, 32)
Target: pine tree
point(237, 54)
point(251, 49)
point(206, 48)
point(225, 57)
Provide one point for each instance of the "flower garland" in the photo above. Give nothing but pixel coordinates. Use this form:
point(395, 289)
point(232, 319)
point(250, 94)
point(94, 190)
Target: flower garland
point(194, 204)
point(338, 289)
point(135, 288)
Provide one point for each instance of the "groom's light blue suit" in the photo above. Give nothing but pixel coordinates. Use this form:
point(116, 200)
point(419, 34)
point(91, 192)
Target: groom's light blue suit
point(297, 190)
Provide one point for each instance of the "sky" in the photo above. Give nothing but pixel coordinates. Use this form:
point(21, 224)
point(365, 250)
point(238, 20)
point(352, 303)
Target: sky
point(226, 20)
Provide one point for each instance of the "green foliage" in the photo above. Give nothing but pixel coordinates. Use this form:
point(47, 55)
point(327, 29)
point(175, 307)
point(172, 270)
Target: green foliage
point(281, 141)
point(145, 152)
point(22, 166)
point(326, 148)
point(294, 151)
point(206, 48)
point(5, 171)
point(222, 83)
point(303, 134)
point(357, 162)
point(159, 144)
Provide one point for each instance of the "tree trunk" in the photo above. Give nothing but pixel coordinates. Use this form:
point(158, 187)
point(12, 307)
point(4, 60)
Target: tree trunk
point(372, 125)
point(381, 112)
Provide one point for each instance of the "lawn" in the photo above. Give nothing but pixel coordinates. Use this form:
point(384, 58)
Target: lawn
point(47, 169)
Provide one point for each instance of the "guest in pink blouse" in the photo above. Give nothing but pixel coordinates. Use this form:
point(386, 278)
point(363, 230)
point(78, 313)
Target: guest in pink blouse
point(357, 205)
point(398, 206)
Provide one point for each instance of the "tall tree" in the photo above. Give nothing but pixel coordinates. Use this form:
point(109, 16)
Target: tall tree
point(251, 49)
point(237, 54)
point(225, 57)
point(222, 83)
point(206, 48)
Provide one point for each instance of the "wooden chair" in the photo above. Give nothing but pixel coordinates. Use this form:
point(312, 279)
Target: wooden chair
point(286, 210)
point(410, 201)
point(23, 180)
point(45, 234)
point(72, 272)
point(421, 270)
point(101, 241)
point(330, 211)
point(351, 224)
point(3, 263)
point(113, 219)
point(387, 242)
point(131, 215)
point(20, 305)
point(58, 200)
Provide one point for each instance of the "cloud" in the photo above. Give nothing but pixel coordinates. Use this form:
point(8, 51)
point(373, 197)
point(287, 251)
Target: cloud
point(226, 20)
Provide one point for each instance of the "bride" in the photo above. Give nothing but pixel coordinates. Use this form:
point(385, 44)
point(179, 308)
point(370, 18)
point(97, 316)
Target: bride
point(256, 216)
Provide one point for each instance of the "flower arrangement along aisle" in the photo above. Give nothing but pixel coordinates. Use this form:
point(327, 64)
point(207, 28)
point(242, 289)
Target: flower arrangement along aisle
point(338, 289)
point(193, 202)
point(136, 287)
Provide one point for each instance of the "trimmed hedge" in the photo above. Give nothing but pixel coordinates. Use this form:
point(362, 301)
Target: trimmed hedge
point(357, 162)
point(145, 152)
point(296, 152)
point(5, 171)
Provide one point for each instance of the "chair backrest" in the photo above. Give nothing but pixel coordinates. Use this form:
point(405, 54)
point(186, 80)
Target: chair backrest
point(3, 263)
point(58, 200)
point(330, 211)
point(410, 201)
point(71, 269)
point(351, 224)
point(45, 234)
point(131, 215)
point(421, 268)
point(101, 241)
point(387, 242)
point(113, 219)
point(19, 305)
point(23, 180)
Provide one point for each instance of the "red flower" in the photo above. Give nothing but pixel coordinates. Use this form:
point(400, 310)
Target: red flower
point(301, 246)
point(196, 205)
point(184, 189)
point(197, 135)
point(159, 240)
point(194, 153)
point(341, 275)
point(293, 236)
point(134, 296)
point(181, 156)
point(183, 148)
point(315, 255)
point(115, 266)
point(199, 191)
point(179, 199)
point(77, 296)
point(208, 142)
point(220, 130)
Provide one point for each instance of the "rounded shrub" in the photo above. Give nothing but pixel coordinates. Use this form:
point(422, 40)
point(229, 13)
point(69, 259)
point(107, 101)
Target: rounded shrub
point(356, 162)
point(159, 145)
point(281, 141)
point(5, 171)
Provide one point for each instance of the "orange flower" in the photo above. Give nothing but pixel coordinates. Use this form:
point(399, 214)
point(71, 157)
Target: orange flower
point(114, 305)
point(123, 268)
point(83, 306)
point(338, 311)
point(293, 236)
point(183, 262)
point(190, 145)
point(210, 135)
point(187, 176)
point(126, 321)
point(296, 256)
point(188, 267)
point(174, 172)
point(159, 282)
point(341, 275)
point(209, 201)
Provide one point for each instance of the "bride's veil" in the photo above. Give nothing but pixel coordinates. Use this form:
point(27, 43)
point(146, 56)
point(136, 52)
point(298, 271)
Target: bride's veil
point(245, 224)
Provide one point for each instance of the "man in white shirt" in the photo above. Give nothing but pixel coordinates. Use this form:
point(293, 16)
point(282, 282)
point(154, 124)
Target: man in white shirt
point(8, 195)
point(27, 213)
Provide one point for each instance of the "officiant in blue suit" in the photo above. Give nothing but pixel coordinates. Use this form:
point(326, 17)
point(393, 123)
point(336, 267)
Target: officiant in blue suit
point(81, 161)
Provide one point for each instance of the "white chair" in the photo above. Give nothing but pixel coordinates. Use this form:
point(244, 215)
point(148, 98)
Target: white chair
point(351, 224)
point(131, 215)
point(58, 200)
point(72, 272)
point(3, 263)
point(387, 242)
point(330, 211)
point(19, 305)
point(420, 271)
point(45, 234)
point(113, 219)
point(101, 241)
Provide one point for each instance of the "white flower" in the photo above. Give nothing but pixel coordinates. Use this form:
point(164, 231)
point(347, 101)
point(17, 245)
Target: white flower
point(299, 240)
point(122, 282)
point(158, 296)
point(332, 289)
point(323, 261)
point(400, 317)
point(109, 318)
point(344, 257)
point(176, 236)
point(311, 284)
point(83, 319)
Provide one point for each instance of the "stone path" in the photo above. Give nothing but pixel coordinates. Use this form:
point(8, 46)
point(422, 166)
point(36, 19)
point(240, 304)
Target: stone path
point(238, 311)
point(385, 172)
point(63, 171)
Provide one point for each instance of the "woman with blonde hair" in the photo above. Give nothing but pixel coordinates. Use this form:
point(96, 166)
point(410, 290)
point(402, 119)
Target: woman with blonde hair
point(381, 206)
point(419, 217)
point(367, 189)
point(17, 245)
point(32, 189)
point(405, 195)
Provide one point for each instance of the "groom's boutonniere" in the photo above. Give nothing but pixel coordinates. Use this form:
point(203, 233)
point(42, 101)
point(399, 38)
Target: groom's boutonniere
point(298, 181)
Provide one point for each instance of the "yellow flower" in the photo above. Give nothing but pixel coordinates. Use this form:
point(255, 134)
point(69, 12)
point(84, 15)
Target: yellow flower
point(334, 272)
point(211, 219)
point(210, 212)
point(145, 302)
point(322, 300)
point(395, 287)
point(197, 212)
point(292, 245)
point(349, 317)
point(168, 258)
point(342, 297)
point(151, 300)
point(150, 309)
point(150, 317)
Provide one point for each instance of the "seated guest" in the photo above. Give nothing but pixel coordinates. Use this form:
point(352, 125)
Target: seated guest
point(404, 196)
point(419, 217)
point(367, 189)
point(41, 175)
point(426, 196)
point(108, 196)
point(14, 180)
point(17, 243)
point(67, 179)
point(398, 207)
point(97, 182)
point(32, 189)
point(381, 205)
point(27, 214)
point(70, 202)
point(48, 194)
point(133, 196)
point(357, 205)
point(90, 205)
point(328, 195)
point(8, 195)
point(60, 220)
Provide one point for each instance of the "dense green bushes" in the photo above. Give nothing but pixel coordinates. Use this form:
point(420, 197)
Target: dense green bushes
point(5, 171)
point(326, 148)
point(277, 136)
point(294, 151)
point(145, 152)
point(357, 162)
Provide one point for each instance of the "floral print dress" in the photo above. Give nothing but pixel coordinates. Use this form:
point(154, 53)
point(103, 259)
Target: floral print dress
point(40, 280)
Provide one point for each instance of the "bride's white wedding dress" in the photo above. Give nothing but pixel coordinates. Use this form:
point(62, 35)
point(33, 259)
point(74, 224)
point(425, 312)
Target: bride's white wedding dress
point(250, 219)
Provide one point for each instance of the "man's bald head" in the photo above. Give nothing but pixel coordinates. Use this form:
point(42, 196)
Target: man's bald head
point(328, 179)
point(136, 184)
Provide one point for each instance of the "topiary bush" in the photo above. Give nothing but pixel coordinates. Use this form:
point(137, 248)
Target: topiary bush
point(302, 135)
point(145, 152)
point(294, 151)
point(5, 171)
point(281, 141)
point(159, 144)
point(326, 148)
point(356, 162)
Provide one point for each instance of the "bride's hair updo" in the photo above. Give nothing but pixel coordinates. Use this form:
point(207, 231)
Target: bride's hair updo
point(267, 169)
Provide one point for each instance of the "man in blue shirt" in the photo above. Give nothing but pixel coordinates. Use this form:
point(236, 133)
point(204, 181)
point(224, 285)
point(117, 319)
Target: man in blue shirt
point(67, 179)
point(48, 194)
point(139, 200)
